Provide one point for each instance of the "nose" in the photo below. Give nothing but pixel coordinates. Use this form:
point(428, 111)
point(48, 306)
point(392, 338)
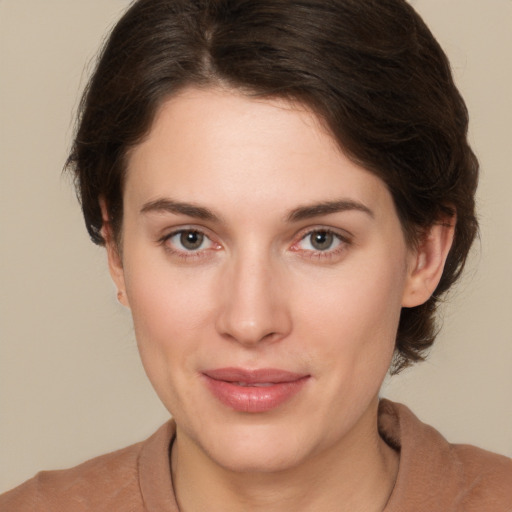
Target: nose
point(253, 306)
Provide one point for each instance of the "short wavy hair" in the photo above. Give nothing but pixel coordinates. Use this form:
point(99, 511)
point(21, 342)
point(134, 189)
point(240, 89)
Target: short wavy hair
point(370, 69)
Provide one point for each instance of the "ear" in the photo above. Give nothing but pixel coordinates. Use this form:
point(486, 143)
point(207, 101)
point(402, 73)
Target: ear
point(115, 262)
point(427, 261)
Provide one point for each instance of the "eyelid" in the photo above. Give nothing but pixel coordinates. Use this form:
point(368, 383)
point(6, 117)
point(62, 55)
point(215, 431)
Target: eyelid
point(173, 230)
point(343, 236)
point(184, 254)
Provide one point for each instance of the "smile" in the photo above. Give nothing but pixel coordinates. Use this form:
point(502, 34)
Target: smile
point(255, 384)
point(253, 391)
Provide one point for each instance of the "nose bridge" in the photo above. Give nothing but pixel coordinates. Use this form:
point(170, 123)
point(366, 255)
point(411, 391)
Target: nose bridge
point(254, 306)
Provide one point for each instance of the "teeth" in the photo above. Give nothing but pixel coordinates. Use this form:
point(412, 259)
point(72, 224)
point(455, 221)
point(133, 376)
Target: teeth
point(255, 384)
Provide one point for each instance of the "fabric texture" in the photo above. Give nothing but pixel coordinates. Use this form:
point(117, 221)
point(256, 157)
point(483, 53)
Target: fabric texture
point(433, 476)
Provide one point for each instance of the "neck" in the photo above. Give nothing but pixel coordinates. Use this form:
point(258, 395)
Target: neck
point(355, 475)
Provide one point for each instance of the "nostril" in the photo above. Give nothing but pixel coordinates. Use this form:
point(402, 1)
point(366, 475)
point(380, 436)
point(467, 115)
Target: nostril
point(267, 328)
point(252, 307)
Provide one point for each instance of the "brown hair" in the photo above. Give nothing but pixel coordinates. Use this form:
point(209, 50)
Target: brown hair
point(370, 69)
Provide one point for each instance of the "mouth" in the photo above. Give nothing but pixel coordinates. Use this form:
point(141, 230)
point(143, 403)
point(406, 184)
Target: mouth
point(254, 385)
point(253, 391)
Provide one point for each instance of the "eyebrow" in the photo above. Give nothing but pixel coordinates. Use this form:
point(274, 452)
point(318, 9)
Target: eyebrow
point(300, 213)
point(326, 208)
point(177, 207)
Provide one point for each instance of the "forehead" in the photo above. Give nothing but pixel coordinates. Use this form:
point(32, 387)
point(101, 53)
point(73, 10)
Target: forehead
point(222, 147)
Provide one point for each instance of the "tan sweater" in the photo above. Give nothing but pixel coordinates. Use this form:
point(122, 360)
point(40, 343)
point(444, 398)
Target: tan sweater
point(434, 476)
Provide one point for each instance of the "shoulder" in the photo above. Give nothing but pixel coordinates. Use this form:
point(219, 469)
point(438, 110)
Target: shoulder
point(105, 483)
point(91, 484)
point(436, 475)
point(486, 478)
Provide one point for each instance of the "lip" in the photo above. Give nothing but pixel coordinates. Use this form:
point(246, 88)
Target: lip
point(262, 390)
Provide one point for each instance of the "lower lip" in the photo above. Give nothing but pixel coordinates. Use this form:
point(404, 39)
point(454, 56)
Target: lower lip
point(252, 398)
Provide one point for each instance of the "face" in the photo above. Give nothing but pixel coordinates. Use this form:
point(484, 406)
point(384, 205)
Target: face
point(265, 273)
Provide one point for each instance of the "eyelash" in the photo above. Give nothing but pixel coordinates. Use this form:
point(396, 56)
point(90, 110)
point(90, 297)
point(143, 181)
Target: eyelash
point(184, 254)
point(343, 242)
point(328, 254)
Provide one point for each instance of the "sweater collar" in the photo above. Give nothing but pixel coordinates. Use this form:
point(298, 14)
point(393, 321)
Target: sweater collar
point(427, 477)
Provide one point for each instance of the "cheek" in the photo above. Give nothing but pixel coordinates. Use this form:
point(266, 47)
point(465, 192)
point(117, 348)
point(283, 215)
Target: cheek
point(171, 312)
point(355, 314)
point(162, 294)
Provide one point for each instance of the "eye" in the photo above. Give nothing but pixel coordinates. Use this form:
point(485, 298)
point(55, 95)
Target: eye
point(321, 240)
point(322, 245)
point(188, 240)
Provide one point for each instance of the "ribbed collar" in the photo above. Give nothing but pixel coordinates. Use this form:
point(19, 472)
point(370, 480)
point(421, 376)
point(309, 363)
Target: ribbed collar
point(431, 475)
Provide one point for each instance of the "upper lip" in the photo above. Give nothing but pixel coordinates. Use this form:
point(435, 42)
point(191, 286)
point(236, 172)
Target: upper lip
point(261, 375)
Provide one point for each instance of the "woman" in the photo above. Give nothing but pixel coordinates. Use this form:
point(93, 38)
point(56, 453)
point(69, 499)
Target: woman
point(285, 191)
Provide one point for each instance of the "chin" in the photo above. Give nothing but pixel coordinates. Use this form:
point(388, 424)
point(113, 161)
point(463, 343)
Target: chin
point(253, 448)
point(257, 460)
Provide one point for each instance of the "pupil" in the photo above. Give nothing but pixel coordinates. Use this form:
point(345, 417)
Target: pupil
point(191, 239)
point(322, 240)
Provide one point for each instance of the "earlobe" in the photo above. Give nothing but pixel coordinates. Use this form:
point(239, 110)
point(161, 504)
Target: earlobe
point(427, 263)
point(115, 263)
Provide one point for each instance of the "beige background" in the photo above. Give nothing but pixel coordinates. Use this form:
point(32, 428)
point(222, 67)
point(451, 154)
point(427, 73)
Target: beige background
point(71, 385)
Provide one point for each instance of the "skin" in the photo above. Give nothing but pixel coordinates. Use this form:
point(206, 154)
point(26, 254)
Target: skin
point(257, 293)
